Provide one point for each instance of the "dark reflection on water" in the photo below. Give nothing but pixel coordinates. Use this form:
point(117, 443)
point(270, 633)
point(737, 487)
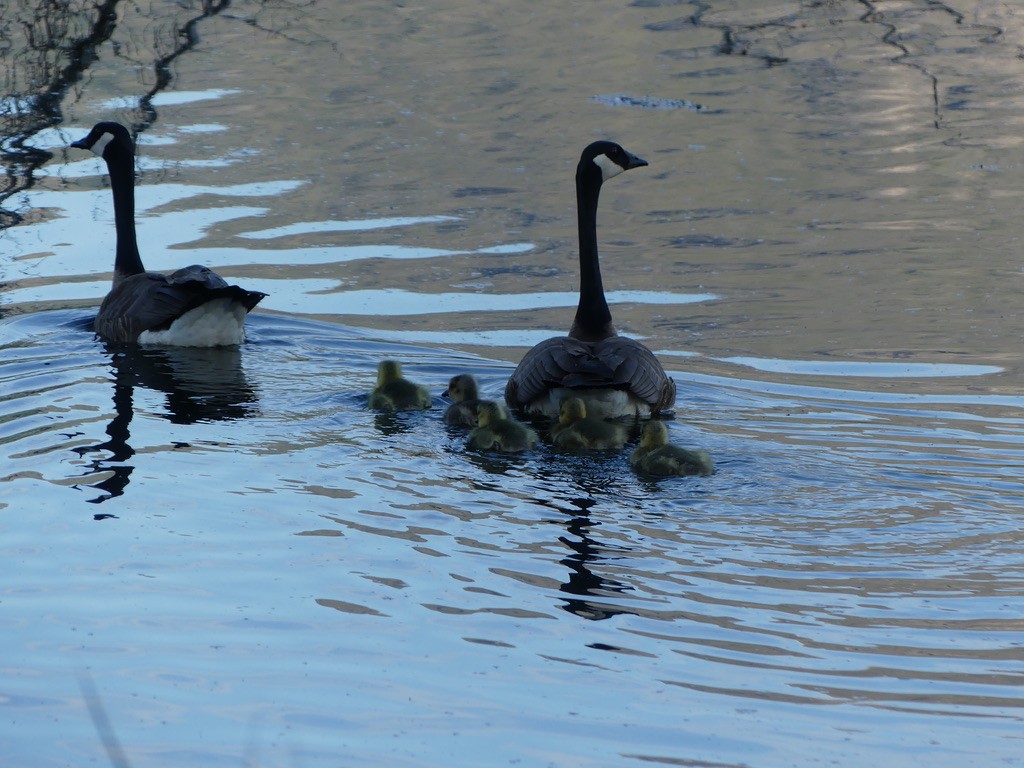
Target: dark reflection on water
point(117, 449)
point(587, 552)
point(201, 385)
point(394, 424)
point(47, 49)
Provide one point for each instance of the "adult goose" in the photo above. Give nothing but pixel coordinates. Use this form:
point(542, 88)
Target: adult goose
point(193, 307)
point(615, 376)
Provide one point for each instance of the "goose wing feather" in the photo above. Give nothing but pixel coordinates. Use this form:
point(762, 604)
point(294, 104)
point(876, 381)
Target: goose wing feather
point(638, 370)
point(614, 363)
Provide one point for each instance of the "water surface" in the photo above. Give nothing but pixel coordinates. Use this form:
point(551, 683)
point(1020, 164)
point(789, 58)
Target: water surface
point(224, 554)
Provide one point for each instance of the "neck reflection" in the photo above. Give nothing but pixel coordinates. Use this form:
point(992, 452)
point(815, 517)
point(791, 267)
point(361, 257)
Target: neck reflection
point(201, 385)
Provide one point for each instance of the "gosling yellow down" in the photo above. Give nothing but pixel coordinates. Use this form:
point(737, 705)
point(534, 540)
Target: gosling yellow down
point(464, 393)
point(395, 393)
point(498, 432)
point(656, 456)
point(576, 431)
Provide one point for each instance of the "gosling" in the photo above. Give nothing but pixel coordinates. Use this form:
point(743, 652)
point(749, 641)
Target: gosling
point(395, 393)
point(655, 456)
point(498, 432)
point(465, 395)
point(576, 431)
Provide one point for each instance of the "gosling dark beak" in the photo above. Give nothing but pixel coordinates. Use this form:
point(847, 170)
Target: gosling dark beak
point(634, 161)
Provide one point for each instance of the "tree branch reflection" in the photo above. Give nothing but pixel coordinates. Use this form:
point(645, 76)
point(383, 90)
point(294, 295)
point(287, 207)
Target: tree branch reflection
point(48, 47)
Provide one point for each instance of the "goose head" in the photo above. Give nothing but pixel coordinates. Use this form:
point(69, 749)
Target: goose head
point(602, 160)
point(490, 413)
point(106, 139)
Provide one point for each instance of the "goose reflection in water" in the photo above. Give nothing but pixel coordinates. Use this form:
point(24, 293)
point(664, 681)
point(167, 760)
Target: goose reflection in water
point(587, 552)
point(201, 385)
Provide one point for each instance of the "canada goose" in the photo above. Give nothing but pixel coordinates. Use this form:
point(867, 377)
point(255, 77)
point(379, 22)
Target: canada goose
point(465, 395)
point(655, 456)
point(193, 307)
point(395, 393)
point(577, 431)
point(617, 376)
point(499, 432)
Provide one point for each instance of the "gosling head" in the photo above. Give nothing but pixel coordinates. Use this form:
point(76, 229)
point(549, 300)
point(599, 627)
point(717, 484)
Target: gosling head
point(104, 135)
point(489, 413)
point(388, 371)
point(654, 435)
point(463, 387)
point(605, 159)
point(572, 410)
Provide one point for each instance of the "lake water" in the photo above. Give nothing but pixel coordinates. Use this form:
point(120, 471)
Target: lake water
point(221, 557)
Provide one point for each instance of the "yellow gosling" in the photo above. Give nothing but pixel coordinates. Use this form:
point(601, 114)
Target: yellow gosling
point(576, 431)
point(656, 456)
point(465, 395)
point(498, 432)
point(395, 393)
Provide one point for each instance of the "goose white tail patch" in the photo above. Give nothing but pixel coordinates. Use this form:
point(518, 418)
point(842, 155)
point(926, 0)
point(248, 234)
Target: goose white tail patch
point(608, 167)
point(216, 323)
point(101, 144)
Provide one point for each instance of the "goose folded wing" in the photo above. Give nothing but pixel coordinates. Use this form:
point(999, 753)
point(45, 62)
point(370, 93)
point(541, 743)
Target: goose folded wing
point(151, 302)
point(558, 362)
point(636, 370)
point(203, 281)
point(136, 304)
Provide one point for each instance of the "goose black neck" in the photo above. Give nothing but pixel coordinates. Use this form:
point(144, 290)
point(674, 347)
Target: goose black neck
point(121, 167)
point(593, 318)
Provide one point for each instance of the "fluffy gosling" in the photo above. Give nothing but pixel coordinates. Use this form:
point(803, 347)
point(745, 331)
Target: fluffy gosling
point(395, 393)
point(465, 395)
point(655, 456)
point(576, 431)
point(498, 432)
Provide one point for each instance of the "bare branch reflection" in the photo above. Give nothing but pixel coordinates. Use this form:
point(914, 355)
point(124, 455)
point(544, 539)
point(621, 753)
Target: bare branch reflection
point(47, 49)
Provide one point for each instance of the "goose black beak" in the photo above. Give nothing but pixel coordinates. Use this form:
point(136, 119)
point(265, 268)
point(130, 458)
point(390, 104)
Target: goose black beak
point(80, 144)
point(634, 161)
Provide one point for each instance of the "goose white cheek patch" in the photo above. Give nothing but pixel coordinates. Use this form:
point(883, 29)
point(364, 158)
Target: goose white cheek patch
point(608, 167)
point(101, 143)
